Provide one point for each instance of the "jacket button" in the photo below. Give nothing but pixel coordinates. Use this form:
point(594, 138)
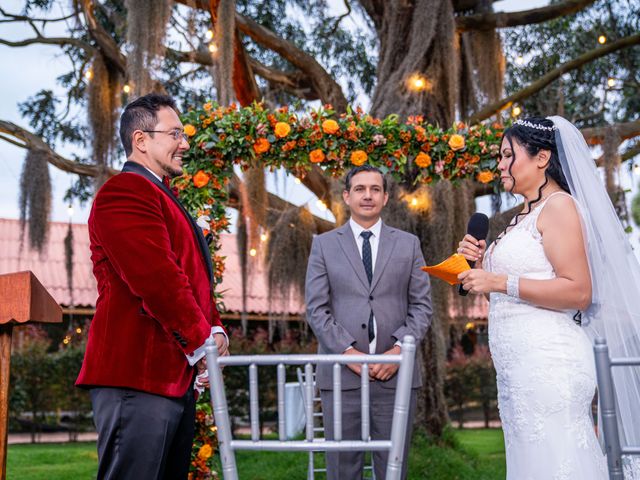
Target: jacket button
point(363, 326)
point(370, 297)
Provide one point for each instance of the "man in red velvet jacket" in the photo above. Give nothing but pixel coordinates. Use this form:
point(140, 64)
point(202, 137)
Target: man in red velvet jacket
point(155, 306)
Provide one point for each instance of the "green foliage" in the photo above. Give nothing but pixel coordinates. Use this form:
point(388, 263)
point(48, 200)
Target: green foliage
point(582, 95)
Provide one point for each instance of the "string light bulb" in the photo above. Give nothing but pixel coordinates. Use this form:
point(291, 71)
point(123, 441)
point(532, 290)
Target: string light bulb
point(253, 252)
point(209, 34)
point(213, 48)
point(519, 59)
point(126, 88)
point(516, 111)
point(414, 202)
point(78, 330)
point(418, 83)
point(602, 39)
point(264, 237)
point(88, 74)
point(611, 82)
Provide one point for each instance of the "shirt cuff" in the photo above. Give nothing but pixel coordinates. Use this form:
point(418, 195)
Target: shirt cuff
point(195, 356)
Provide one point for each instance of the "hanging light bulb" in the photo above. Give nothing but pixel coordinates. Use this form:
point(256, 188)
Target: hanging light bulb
point(611, 82)
point(519, 59)
point(88, 74)
point(418, 83)
point(602, 39)
point(516, 111)
point(213, 48)
point(414, 202)
point(78, 330)
point(209, 34)
point(126, 88)
point(253, 252)
point(264, 237)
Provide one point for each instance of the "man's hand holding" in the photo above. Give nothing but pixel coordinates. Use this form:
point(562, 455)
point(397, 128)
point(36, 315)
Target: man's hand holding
point(354, 367)
point(384, 371)
point(221, 343)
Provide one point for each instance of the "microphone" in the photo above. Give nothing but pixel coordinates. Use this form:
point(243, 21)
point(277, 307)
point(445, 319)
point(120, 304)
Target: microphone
point(478, 227)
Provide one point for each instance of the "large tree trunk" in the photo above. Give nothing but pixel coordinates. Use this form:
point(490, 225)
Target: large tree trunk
point(419, 38)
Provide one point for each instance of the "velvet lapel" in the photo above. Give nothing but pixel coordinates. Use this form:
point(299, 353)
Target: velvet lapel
point(134, 167)
point(350, 247)
point(385, 248)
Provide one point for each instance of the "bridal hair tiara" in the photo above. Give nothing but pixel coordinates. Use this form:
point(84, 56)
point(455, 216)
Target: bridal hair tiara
point(526, 123)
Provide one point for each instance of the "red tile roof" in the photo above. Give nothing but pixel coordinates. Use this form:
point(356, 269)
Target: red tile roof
point(49, 268)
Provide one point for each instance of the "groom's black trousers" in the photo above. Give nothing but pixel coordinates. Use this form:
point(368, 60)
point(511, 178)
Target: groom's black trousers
point(143, 436)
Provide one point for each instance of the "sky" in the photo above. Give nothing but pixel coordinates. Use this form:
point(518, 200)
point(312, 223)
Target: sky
point(36, 67)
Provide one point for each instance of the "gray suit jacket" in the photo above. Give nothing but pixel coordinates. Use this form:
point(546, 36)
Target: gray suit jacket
point(339, 297)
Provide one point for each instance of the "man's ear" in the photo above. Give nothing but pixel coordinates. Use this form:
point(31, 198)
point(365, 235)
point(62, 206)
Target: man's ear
point(139, 141)
point(345, 196)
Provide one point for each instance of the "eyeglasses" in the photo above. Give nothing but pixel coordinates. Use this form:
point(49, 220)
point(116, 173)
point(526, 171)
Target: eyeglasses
point(176, 134)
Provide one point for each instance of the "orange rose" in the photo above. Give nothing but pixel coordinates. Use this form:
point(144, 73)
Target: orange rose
point(316, 156)
point(207, 106)
point(200, 179)
point(330, 126)
point(205, 452)
point(261, 145)
point(358, 157)
point(282, 129)
point(423, 160)
point(456, 142)
point(484, 176)
point(190, 130)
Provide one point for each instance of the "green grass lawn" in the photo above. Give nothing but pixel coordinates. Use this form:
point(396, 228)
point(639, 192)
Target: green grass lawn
point(462, 455)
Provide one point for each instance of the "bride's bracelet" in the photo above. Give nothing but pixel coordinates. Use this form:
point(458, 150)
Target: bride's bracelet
point(513, 286)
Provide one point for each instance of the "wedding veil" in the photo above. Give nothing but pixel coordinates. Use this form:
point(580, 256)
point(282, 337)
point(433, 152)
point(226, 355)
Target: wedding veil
point(615, 276)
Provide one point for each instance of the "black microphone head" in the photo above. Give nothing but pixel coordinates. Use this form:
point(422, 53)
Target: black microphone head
point(478, 226)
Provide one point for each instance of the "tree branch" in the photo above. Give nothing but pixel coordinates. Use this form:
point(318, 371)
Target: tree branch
point(323, 83)
point(488, 21)
point(549, 77)
point(595, 135)
point(464, 5)
point(106, 43)
point(296, 83)
point(49, 41)
point(34, 142)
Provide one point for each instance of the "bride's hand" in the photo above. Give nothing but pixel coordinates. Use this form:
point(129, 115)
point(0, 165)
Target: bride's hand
point(479, 281)
point(472, 249)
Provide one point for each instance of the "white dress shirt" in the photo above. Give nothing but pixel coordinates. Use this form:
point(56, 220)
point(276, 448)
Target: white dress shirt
point(199, 352)
point(374, 241)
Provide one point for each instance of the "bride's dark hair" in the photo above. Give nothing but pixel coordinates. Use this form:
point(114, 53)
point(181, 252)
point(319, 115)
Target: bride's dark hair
point(533, 140)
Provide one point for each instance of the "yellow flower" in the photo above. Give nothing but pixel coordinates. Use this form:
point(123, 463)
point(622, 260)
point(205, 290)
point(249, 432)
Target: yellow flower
point(316, 156)
point(358, 157)
point(282, 129)
point(456, 142)
point(423, 160)
point(190, 130)
point(205, 452)
point(330, 126)
point(484, 176)
point(200, 179)
point(261, 145)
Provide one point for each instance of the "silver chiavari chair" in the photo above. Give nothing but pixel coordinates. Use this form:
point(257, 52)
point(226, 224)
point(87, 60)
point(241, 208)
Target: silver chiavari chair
point(608, 414)
point(227, 445)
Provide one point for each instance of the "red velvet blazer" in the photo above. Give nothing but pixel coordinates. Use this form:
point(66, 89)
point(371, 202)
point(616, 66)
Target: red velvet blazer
point(155, 301)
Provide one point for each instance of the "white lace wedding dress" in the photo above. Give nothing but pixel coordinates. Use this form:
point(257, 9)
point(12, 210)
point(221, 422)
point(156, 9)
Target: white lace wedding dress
point(545, 371)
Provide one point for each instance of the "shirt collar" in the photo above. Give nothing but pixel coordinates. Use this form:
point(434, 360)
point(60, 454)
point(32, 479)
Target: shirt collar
point(357, 229)
point(153, 173)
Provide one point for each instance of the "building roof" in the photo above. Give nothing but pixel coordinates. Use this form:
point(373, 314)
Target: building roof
point(49, 268)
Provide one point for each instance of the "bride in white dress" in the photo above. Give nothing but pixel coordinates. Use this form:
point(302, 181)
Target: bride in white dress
point(538, 280)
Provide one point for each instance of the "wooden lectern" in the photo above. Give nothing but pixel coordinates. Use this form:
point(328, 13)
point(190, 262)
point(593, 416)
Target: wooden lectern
point(22, 299)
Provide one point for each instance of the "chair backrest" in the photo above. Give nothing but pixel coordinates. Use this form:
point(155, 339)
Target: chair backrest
point(227, 444)
point(608, 416)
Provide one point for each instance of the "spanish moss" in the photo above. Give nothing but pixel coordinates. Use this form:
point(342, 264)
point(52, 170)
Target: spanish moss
point(35, 198)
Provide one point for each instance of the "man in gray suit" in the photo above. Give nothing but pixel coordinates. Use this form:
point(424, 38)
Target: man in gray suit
point(364, 292)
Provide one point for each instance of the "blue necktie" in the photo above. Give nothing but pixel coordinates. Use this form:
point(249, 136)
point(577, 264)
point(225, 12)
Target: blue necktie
point(366, 259)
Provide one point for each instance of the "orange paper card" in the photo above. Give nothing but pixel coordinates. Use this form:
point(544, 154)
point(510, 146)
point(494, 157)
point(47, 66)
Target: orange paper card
point(449, 269)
